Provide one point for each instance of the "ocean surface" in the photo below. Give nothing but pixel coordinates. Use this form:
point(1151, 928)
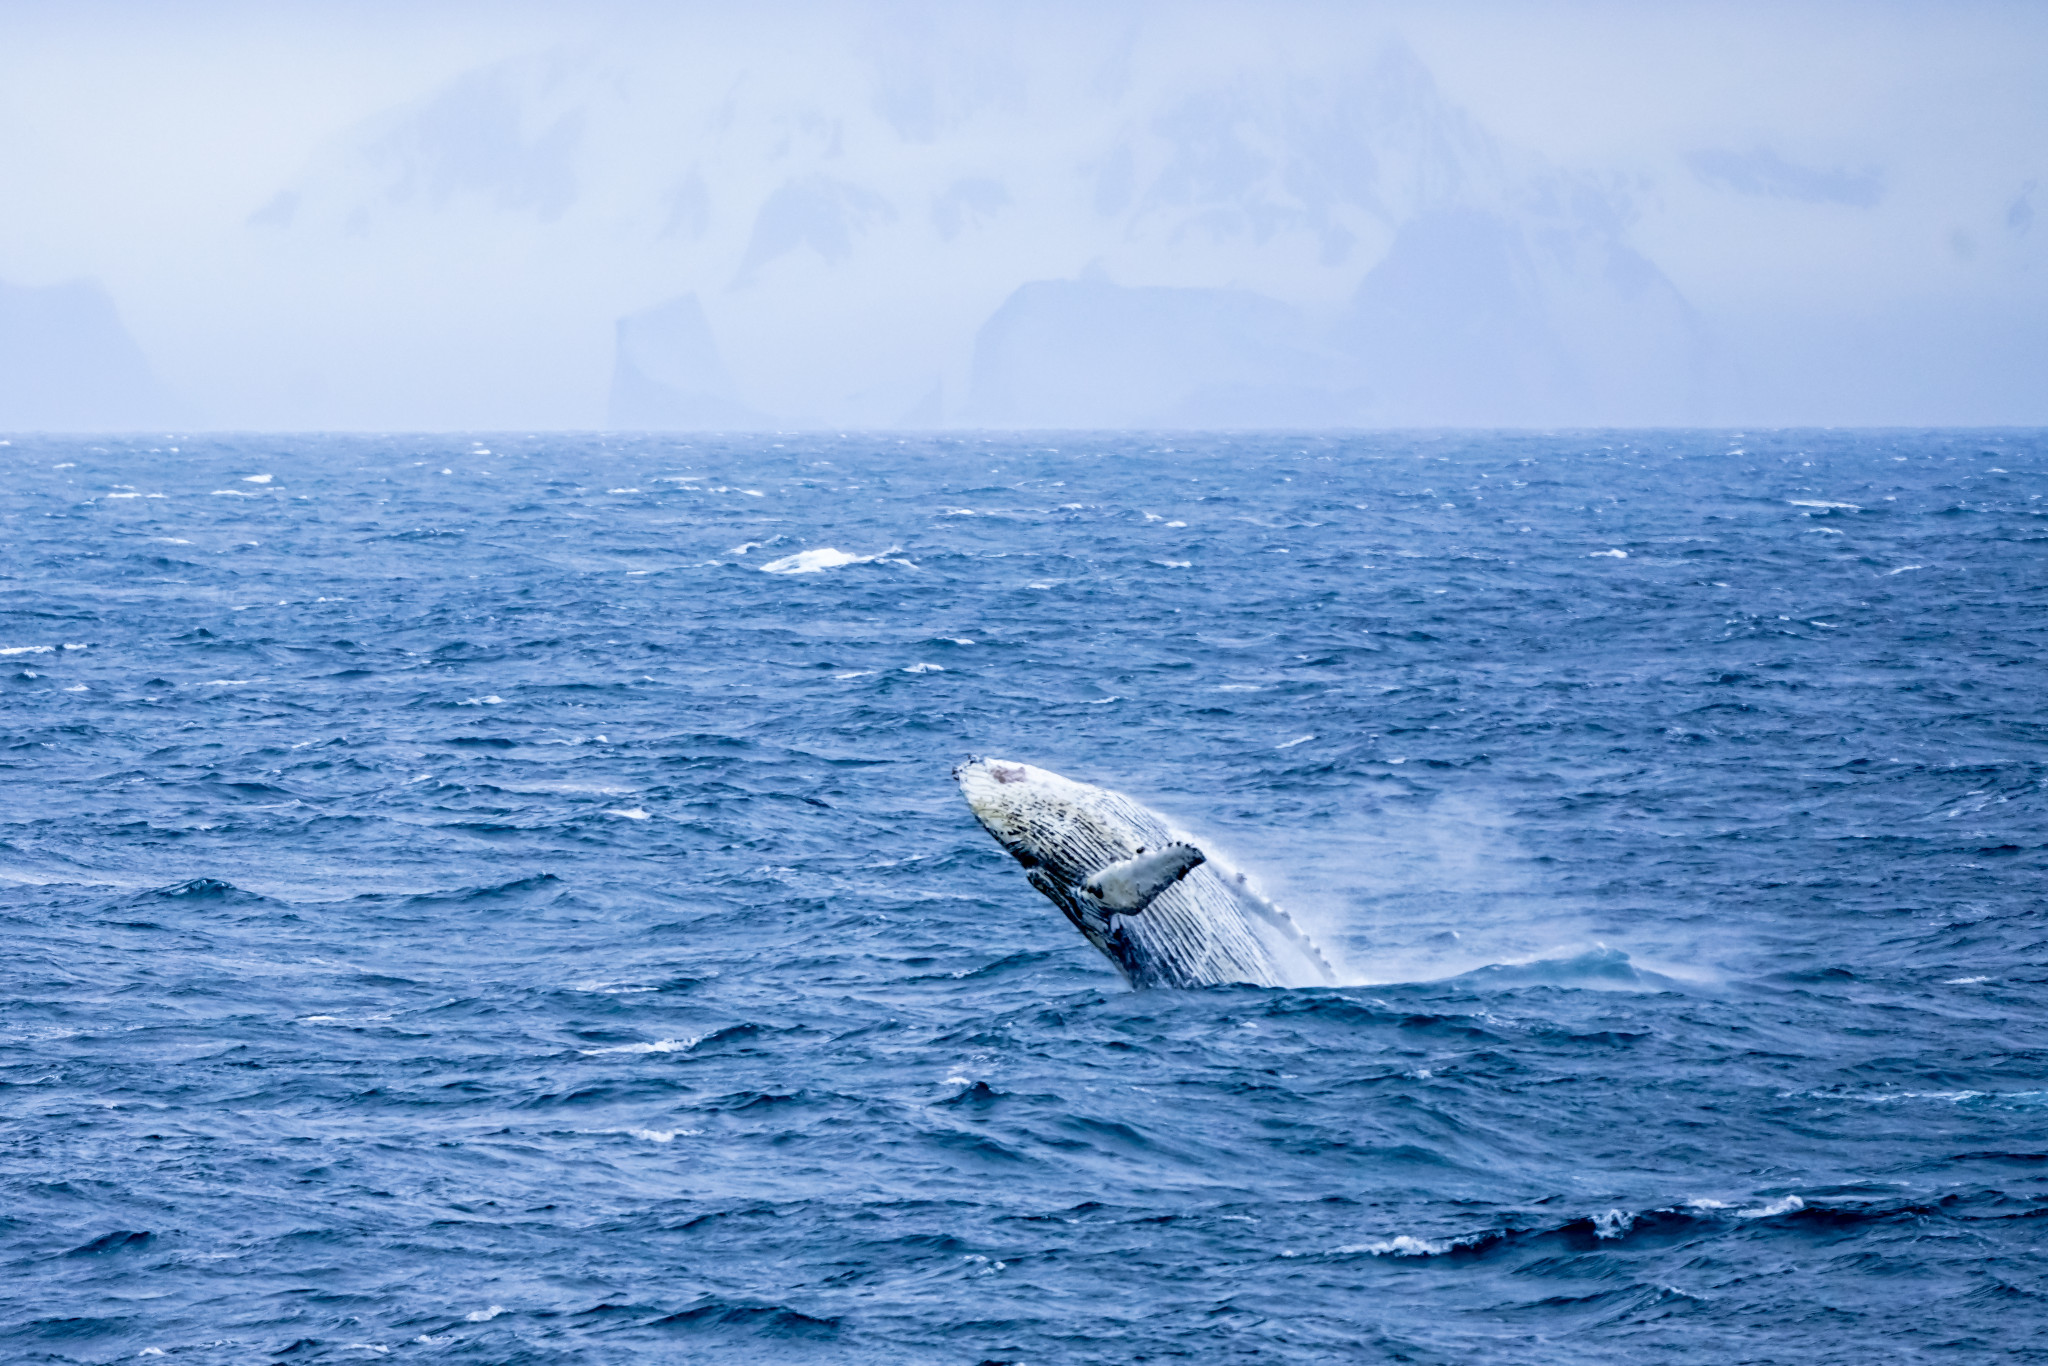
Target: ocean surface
point(502, 899)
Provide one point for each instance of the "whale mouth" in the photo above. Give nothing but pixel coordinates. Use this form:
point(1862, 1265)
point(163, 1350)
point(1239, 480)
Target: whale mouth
point(994, 768)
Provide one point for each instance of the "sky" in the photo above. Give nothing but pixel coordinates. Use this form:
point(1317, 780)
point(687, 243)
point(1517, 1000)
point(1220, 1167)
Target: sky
point(450, 216)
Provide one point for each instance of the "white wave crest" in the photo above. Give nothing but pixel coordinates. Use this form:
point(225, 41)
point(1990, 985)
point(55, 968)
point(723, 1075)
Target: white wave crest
point(820, 559)
point(658, 1046)
point(1783, 1205)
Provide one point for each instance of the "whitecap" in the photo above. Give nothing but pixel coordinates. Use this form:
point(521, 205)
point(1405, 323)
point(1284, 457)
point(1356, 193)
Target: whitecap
point(26, 649)
point(655, 1135)
point(631, 813)
point(255, 478)
point(1608, 555)
point(658, 1046)
point(822, 558)
point(1902, 569)
point(1784, 1205)
point(1402, 1245)
point(853, 673)
point(1816, 503)
point(1964, 981)
point(1302, 740)
point(76, 687)
point(1176, 523)
point(743, 549)
point(925, 669)
point(957, 640)
point(170, 540)
point(485, 1315)
point(1174, 564)
point(238, 682)
point(607, 490)
point(235, 493)
point(1239, 687)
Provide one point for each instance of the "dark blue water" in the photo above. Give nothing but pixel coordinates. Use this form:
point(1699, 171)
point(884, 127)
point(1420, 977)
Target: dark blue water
point(458, 907)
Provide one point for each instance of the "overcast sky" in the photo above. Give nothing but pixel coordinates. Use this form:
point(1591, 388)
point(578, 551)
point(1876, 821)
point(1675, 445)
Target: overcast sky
point(433, 216)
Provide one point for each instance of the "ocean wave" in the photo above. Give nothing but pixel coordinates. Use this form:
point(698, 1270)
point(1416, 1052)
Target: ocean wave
point(1610, 1229)
point(818, 560)
point(805, 1040)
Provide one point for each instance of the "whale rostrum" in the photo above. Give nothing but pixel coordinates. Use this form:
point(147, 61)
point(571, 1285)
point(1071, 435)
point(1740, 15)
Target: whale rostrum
point(1166, 913)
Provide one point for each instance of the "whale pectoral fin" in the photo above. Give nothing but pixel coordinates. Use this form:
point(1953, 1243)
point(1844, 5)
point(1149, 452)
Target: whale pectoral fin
point(1127, 888)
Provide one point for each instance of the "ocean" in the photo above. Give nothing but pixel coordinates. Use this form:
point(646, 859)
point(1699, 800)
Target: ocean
point(501, 898)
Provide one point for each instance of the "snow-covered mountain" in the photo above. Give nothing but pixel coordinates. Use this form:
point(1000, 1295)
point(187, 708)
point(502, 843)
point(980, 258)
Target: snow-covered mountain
point(900, 213)
point(996, 235)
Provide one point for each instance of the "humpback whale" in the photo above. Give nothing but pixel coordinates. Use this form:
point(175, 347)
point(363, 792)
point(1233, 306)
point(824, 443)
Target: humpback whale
point(1160, 908)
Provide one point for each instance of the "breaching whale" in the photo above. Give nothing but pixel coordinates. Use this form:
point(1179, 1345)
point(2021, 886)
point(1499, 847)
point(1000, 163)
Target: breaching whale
point(1163, 911)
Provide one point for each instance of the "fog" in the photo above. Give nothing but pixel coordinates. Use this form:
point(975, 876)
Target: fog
point(448, 216)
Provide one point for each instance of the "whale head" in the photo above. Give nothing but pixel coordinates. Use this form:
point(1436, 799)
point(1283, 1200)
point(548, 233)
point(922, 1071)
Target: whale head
point(1037, 815)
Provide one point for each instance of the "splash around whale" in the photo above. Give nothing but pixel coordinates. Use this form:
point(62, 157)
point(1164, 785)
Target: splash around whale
point(1166, 912)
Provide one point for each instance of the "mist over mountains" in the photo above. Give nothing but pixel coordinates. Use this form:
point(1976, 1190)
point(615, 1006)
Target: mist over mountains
point(919, 216)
